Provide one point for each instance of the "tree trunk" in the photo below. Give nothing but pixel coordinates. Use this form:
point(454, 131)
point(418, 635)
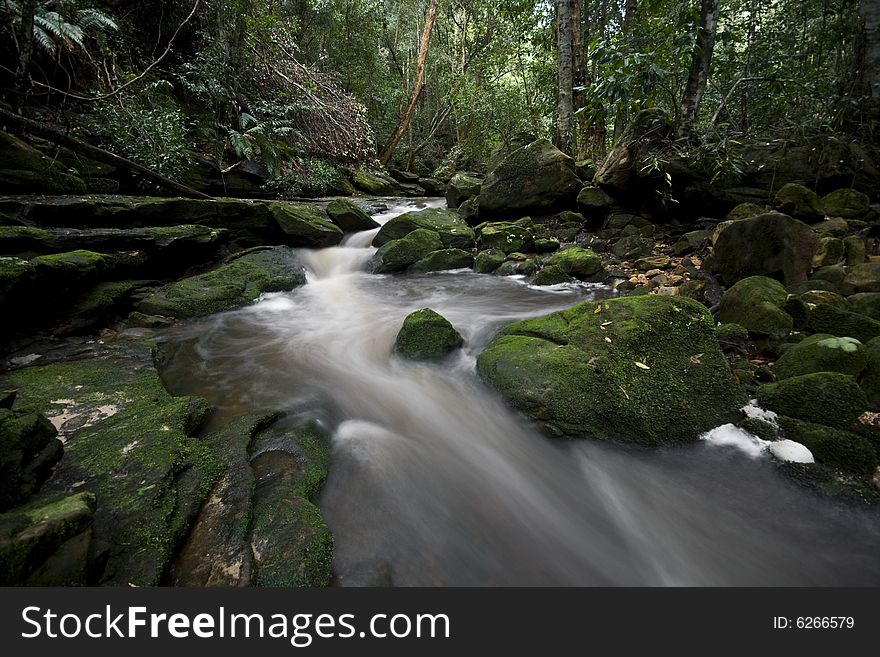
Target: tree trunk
point(25, 45)
point(565, 61)
point(700, 63)
point(99, 154)
point(629, 17)
point(418, 85)
point(870, 64)
point(579, 79)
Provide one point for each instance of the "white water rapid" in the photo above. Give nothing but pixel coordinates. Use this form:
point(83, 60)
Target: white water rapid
point(435, 482)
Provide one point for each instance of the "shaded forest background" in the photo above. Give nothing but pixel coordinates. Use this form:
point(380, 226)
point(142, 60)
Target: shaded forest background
point(308, 91)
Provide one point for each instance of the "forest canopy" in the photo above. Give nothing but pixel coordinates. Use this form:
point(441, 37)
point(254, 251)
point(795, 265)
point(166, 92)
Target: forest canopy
point(311, 89)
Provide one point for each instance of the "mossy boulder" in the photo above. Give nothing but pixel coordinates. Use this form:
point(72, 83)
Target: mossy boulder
point(690, 242)
point(505, 236)
point(234, 284)
point(349, 217)
point(461, 188)
point(593, 201)
point(28, 452)
point(131, 445)
point(426, 335)
point(870, 381)
point(755, 303)
point(822, 353)
point(551, 275)
point(846, 203)
point(442, 260)
point(799, 202)
point(829, 251)
point(454, 233)
point(375, 183)
point(24, 169)
point(576, 262)
point(815, 297)
point(744, 211)
point(292, 544)
point(399, 254)
point(865, 303)
point(825, 318)
point(770, 244)
point(546, 245)
point(632, 247)
point(304, 227)
point(99, 307)
point(861, 278)
point(644, 369)
point(828, 398)
point(488, 261)
point(832, 227)
point(469, 211)
point(48, 541)
point(732, 333)
point(836, 448)
point(535, 178)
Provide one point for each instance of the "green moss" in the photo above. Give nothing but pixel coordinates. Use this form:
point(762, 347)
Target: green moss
point(815, 297)
point(799, 202)
point(744, 211)
point(75, 263)
point(760, 428)
point(641, 369)
point(732, 333)
point(133, 451)
point(822, 353)
point(865, 303)
point(846, 203)
point(551, 275)
point(454, 233)
point(442, 260)
point(870, 382)
point(349, 217)
point(755, 303)
point(825, 318)
point(397, 255)
point(833, 447)
point(505, 237)
point(828, 398)
point(426, 335)
point(576, 262)
point(229, 286)
point(303, 226)
point(488, 261)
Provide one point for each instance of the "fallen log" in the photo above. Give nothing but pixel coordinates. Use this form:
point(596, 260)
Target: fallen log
point(62, 139)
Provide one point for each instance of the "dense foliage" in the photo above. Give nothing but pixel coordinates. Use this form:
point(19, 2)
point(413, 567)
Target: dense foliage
point(313, 87)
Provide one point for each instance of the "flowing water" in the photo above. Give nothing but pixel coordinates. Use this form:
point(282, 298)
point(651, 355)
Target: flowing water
point(435, 482)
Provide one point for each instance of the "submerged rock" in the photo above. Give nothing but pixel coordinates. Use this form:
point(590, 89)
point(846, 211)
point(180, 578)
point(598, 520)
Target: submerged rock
point(426, 335)
point(642, 369)
point(231, 285)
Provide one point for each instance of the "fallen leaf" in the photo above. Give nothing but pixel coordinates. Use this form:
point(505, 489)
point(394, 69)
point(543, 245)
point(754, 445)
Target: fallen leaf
point(607, 339)
point(642, 365)
point(598, 309)
point(608, 323)
point(623, 390)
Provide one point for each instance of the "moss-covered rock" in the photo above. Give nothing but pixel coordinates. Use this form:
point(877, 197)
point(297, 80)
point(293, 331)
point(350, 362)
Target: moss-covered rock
point(349, 217)
point(292, 545)
point(822, 353)
point(48, 542)
point(593, 201)
point(846, 203)
point(535, 178)
point(632, 247)
point(799, 202)
point(755, 303)
point(576, 262)
point(815, 297)
point(398, 255)
point(426, 335)
point(130, 444)
point(832, 275)
point(855, 250)
point(861, 278)
point(770, 244)
point(825, 318)
point(24, 169)
point(304, 227)
point(732, 333)
point(462, 187)
point(442, 260)
point(744, 211)
point(833, 447)
point(870, 381)
point(488, 261)
point(505, 236)
point(231, 285)
point(828, 398)
point(832, 227)
point(546, 245)
point(829, 251)
point(644, 369)
point(690, 242)
point(453, 232)
point(28, 452)
point(374, 183)
point(864, 303)
point(469, 211)
point(99, 307)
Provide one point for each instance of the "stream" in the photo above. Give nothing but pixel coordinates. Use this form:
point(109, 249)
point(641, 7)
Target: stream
point(436, 482)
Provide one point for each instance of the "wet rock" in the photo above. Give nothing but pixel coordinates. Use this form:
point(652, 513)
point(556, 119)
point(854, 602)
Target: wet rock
point(231, 285)
point(48, 542)
point(870, 382)
point(454, 233)
point(305, 228)
point(756, 303)
point(576, 262)
point(376, 183)
point(822, 353)
point(833, 447)
point(551, 275)
point(505, 236)
point(469, 211)
point(770, 244)
point(426, 335)
point(827, 398)
point(488, 261)
point(825, 318)
point(799, 202)
point(461, 188)
point(349, 217)
point(535, 178)
point(28, 452)
point(129, 443)
point(442, 260)
point(399, 254)
point(632, 247)
point(607, 369)
point(832, 227)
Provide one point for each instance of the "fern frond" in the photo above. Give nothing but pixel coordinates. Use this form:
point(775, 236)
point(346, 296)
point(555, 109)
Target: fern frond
point(44, 40)
point(92, 18)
